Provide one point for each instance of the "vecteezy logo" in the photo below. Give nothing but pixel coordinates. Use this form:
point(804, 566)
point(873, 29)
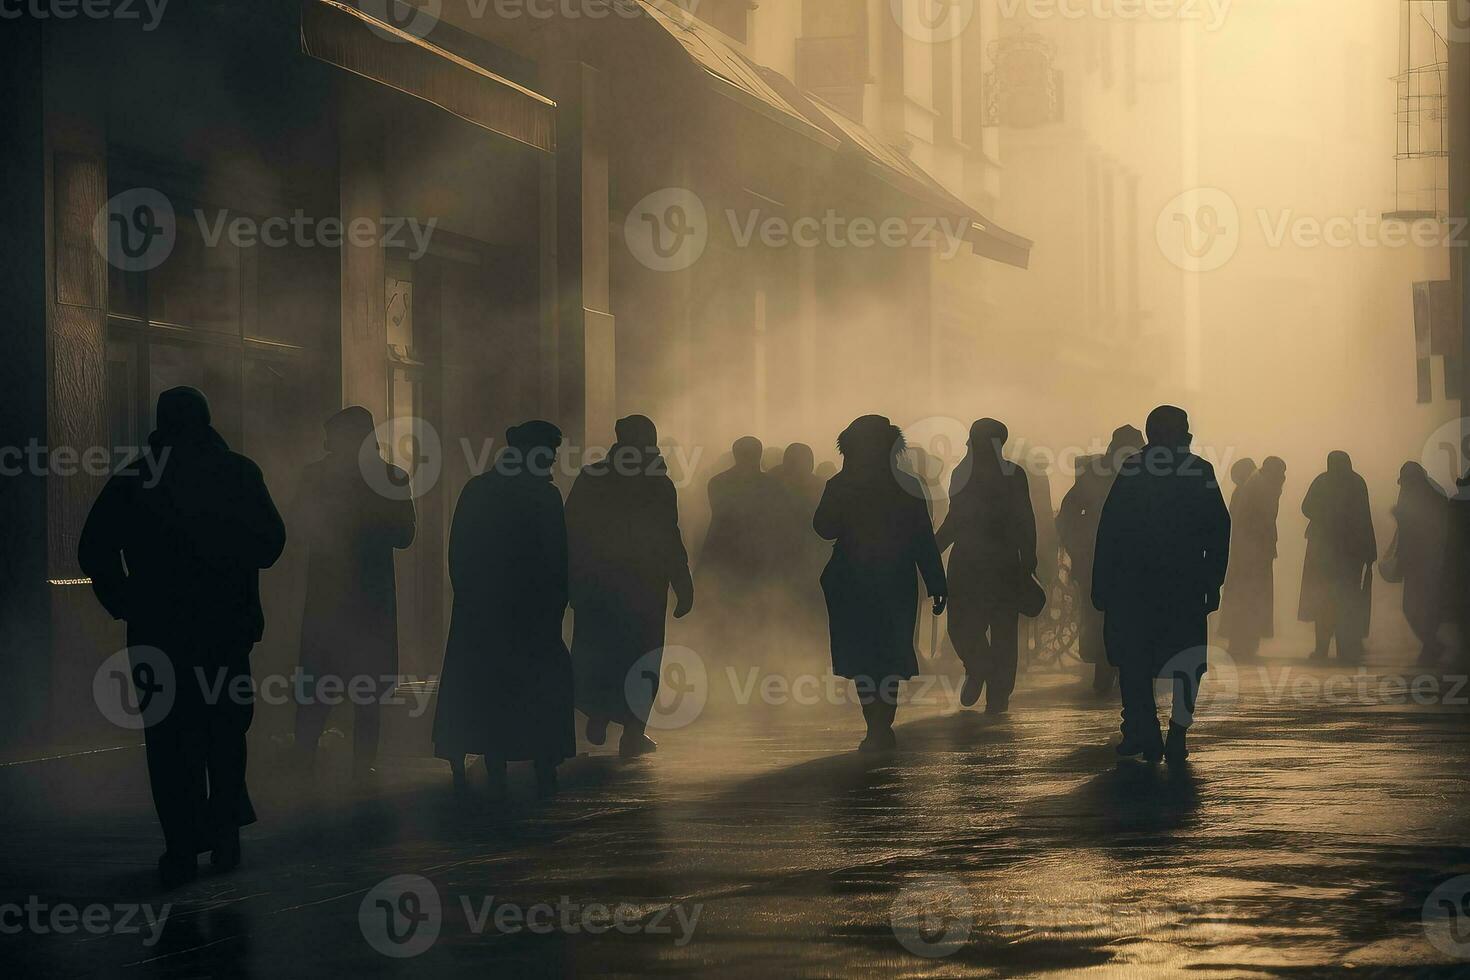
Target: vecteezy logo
point(401, 916)
point(416, 19)
point(1447, 917)
point(668, 687)
point(933, 917)
point(933, 21)
point(136, 230)
point(1199, 231)
point(1206, 677)
point(668, 230)
point(135, 687)
point(1458, 27)
point(1447, 453)
point(414, 450)
point(936, 445)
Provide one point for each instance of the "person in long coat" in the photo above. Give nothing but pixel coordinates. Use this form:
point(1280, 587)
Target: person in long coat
point(1077, 522)
point(174, 545)
point(505, 692)
point(626, 555)
point(799, 553)
point(992, 527)
point(1455, 594)
point(1163, 545)
point(1422, 518)
point(352, 520)
point(1341, 549)
point(877, 519)
point(1248, 612)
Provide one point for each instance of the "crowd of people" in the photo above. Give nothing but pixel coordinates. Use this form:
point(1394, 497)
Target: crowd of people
point(852, 552)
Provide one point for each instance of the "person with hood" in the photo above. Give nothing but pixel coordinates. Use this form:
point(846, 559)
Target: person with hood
point(1422, 519)
point(178, 557)
point(992, 528)
point(1240, 473)
point(1077, 528)
point(1337, 578)
point(354, 509)
point(882, 542)
point(1248, 610)
point(1163, 545)
point(626, 555)
point(505, 692)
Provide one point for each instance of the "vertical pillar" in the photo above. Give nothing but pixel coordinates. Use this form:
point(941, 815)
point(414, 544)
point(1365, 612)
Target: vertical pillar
point(364, 326)
point(1459, 189)
point(586, 334)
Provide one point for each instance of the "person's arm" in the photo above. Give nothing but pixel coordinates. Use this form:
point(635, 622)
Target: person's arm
point(927, 557)
point(553, 525)
point(1216, 525)
point(99, 550)
point(680, 579)
point(827, 521)
point(399, 517)
point(1110, 541)
point(1026, 521)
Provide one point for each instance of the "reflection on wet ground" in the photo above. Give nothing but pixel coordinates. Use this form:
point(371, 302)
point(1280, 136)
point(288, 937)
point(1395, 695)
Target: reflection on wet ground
point(1318, 815)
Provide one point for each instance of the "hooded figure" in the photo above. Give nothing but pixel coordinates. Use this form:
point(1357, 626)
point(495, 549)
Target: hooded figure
point(1240, 473)
point(626, 555)
point(993, 530)
point(179, 559)
point(354, 509)
point(1163, 545)
point(506, 689)
point(876, 517)
point(1337, 578)
point(1422, 516)
point(1077, 528)
point(1248, 610)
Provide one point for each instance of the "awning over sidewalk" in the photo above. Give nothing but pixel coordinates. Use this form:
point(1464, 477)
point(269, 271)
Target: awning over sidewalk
point(350, 39)
point(733, 74)
point(774, 95)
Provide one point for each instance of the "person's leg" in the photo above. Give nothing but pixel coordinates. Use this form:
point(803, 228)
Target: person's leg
point(1181, 713)
point(967, 636)
point(1140, 725)
point(1324, 638)
point(367, 723)
point(1005, 638)
point(229, 801)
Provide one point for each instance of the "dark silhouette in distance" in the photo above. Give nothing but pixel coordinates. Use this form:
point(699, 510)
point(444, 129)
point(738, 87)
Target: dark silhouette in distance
point(1048, 540)
point(875, 515)
point(797, 552)
point(1421, 518)
point(1248, 607)
point(180, 561)
point(349, 624)
point(1337, 577)
point(1456, 589)
point(1077, 522)
point(626, 555)
point(739, 564)
point(1163, 545)
point(993, 531)
point(505, 692)
point(1240, 473)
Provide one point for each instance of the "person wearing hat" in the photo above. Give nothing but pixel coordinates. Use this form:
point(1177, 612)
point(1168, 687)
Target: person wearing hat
point(174, 545)
point(354, 509)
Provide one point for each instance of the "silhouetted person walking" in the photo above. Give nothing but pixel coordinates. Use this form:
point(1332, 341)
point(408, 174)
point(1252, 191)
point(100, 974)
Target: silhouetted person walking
point(506, 688)
point(738, 565)
point(349, 626)
point(798, 554)
point(993, 531)
point(1422, 519)
point(626, 555)
point(1240, 473)
point(180, 561)
point(1048, 539)
point(1337, 578)
point(1163, 545)
point(882, 537)
point(1248, 610)
point(1456, 592)
point(1077, 528)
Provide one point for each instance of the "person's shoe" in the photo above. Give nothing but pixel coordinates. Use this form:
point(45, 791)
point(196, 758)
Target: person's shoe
point(1130, 746)
point(1153, 749)
point(177, 869)
point(884, 741)
point(1175, 751)
point(631, 746)
point(226, 853)
point(970, 692)
point(546, 784)
point(997, 706)
point(597, 730)
point(496, 778)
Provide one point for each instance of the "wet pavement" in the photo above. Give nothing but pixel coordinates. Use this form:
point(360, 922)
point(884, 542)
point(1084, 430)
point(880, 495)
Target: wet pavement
point(1320, 828)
